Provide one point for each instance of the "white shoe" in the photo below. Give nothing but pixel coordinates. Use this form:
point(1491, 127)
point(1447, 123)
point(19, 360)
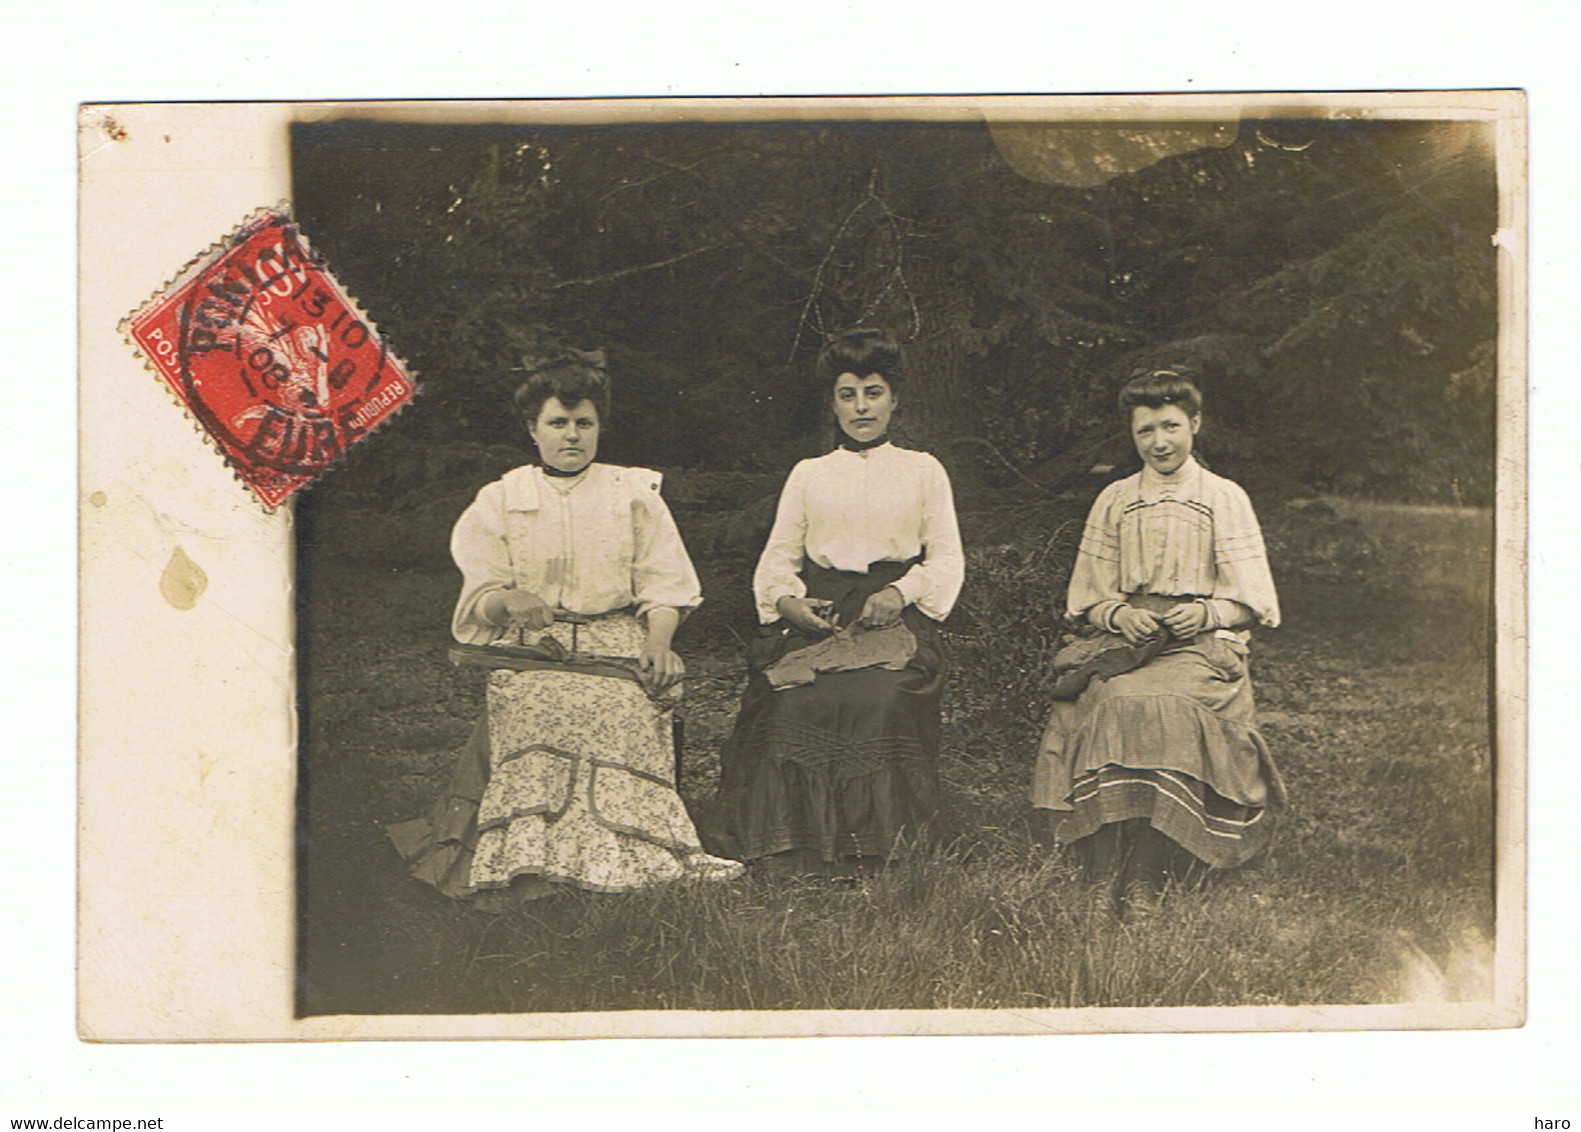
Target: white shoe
point(702, 866)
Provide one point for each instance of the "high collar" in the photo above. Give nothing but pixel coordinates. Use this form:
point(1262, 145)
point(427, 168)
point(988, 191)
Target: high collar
point(562, 483)
point(557, 474)
point(1152, 479)
point(851, 444)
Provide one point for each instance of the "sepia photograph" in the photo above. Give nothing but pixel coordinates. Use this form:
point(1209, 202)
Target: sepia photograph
point(856, 566)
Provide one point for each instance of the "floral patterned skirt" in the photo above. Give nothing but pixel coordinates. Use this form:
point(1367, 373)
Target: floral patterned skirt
point(568, 779)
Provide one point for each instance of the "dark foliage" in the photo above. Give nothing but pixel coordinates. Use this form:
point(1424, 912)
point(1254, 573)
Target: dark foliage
point(1335, 297)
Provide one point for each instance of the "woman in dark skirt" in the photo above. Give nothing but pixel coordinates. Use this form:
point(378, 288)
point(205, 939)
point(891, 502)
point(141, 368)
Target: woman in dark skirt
point(1167, 754)
point(829, 772)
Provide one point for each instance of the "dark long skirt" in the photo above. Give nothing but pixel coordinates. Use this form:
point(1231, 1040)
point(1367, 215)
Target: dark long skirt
point(841, 771)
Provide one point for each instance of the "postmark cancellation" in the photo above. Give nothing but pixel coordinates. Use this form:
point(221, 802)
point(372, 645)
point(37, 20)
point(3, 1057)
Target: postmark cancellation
point(270, 356)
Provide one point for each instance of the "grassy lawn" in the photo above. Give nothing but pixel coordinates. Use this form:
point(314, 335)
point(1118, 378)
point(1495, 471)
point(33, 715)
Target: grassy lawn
point(1379, 886)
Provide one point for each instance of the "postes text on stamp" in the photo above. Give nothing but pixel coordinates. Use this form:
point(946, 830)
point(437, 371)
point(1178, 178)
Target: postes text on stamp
point(270, 355)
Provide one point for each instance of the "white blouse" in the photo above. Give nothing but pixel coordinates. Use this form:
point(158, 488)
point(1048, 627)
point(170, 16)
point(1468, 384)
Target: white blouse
point(591, 543)
point(1187, 534)
point(847, 510)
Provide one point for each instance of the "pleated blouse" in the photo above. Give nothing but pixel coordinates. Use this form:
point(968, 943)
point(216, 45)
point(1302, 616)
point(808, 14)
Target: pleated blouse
point(1188, 534)
point(593, 543)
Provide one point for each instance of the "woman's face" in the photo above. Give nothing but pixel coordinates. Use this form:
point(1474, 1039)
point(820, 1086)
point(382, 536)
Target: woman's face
point(567, 438)
point(863, 405)
point(1163, 436)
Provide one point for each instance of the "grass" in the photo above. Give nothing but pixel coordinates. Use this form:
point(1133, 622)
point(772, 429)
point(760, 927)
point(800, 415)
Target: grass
point(1378, 886)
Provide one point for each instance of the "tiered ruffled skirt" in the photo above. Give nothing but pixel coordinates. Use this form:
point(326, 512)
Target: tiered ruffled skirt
point(1174, 742)
point(841, 773)
point(568, 779)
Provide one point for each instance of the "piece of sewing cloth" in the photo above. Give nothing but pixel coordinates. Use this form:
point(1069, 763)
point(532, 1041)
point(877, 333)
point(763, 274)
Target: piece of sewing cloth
point(847, 650)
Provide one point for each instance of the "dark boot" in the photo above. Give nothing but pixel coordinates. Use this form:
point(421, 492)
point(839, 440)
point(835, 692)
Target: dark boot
point(1142, 884)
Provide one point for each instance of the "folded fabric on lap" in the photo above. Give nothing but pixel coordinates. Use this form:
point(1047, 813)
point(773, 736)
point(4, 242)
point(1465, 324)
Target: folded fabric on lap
point(1098, 658)
point(849, 649)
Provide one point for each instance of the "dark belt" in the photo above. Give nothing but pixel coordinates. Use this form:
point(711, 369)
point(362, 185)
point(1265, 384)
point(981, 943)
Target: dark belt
point(848, 589)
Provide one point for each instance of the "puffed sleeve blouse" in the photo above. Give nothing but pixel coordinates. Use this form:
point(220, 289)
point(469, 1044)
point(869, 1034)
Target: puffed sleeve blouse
point(847, 510)
point(589, 544)
point(1190, 534)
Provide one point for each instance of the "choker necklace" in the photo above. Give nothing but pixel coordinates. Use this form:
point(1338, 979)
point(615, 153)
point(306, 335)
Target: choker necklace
point(852, 444)
point(559, 473)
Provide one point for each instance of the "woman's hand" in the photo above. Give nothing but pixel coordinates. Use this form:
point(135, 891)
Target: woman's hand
point(518, 609)
point(1186, 620)
point(807, 614)
point(657, 663)
point(881, 610)
point(660, 666)
point(1136, 625)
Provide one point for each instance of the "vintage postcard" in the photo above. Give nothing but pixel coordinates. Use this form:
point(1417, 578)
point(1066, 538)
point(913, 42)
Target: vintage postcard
point(802, 566)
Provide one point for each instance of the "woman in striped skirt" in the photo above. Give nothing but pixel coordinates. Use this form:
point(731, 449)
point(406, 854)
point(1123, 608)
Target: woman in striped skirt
point(1167, 754)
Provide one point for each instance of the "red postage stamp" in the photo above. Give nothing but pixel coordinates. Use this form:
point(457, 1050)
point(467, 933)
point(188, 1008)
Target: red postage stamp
point(270, 356)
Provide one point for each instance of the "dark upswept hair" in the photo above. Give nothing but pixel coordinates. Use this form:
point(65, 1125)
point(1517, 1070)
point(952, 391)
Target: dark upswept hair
point(570, 378)
point(1157, 388)
point(861, 351)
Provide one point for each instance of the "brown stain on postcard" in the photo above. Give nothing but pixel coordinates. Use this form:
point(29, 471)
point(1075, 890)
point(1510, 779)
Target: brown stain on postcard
point(183, 581)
